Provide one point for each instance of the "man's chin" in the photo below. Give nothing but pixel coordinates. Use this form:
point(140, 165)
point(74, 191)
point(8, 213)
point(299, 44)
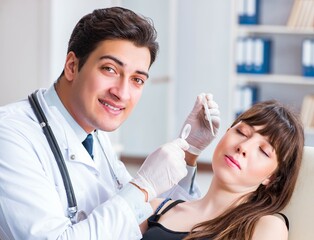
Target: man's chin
point(110, 128)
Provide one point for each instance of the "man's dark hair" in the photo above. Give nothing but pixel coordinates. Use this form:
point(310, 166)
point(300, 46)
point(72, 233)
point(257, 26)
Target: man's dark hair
point(109, 24)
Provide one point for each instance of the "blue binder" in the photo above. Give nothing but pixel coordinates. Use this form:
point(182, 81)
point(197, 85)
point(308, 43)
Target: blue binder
point(246, 96)
point(262, 56)
point(308, 58)
point(253, 55)
point(248, 12)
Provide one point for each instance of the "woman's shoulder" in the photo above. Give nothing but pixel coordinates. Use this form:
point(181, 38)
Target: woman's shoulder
point(156, 202)
point(160, 203)
point(271, 227)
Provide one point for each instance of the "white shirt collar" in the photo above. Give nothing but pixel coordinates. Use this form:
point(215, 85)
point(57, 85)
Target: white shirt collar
point(53, 99)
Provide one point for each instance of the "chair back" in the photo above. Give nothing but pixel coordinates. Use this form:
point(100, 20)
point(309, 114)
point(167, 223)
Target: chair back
point(300, 210)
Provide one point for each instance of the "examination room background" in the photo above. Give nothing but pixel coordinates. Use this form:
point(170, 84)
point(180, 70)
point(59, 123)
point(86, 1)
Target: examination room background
point(194, 57)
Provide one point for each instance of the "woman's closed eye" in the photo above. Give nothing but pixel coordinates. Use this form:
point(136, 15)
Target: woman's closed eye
point(239, 131)
point(264, 152)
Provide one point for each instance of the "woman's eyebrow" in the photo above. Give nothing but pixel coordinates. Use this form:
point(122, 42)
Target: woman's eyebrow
point(120, 63)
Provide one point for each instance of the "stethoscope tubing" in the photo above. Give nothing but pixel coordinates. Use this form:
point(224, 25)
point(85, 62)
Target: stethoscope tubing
point(72, 205)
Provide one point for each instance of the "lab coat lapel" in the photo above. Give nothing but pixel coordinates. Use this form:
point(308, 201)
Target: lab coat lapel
point(71, 148)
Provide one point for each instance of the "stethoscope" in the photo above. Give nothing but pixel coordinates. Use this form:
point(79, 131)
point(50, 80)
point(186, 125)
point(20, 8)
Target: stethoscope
point(72, 205)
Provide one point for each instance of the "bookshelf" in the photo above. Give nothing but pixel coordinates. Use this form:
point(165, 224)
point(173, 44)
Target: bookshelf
point(286, 25)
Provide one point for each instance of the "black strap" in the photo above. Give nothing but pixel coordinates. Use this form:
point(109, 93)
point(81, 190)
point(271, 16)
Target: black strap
point(72, 206)
point(171, 205)
point(157, 215)
point(285, 218)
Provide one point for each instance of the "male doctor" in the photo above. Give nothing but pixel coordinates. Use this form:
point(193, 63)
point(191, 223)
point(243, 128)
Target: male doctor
point(109, 55)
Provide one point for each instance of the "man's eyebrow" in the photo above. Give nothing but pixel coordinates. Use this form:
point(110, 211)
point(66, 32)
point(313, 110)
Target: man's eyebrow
point(113, 59)
point(143, 73)
point(119, 62)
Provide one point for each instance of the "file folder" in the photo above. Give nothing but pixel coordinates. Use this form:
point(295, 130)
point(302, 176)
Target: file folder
point(308, 58)
point(248, 11)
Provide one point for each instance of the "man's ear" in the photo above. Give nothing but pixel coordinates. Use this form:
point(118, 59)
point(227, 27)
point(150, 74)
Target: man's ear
point(71, 66)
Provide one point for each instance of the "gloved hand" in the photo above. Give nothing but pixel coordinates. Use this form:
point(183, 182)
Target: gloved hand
point(162, 169)
point(201, 136)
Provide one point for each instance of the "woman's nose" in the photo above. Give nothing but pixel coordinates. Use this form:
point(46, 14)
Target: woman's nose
point(241, 150)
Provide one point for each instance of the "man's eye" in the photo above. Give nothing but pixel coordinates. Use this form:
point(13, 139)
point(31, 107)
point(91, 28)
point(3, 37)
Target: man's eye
point(109, 69)
point(139, 81)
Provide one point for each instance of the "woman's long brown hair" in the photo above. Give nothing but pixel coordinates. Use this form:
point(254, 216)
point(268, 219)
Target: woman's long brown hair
point(285, 132)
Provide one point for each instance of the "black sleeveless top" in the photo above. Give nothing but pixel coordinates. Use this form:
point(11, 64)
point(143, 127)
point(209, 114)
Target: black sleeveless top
point(156, 231)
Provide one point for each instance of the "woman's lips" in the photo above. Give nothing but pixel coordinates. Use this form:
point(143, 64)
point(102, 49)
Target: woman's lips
point(232, 162)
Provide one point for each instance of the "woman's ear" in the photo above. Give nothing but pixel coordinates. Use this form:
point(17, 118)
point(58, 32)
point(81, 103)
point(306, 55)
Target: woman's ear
point(266, 181)
point(270, 178)
point(71, 66)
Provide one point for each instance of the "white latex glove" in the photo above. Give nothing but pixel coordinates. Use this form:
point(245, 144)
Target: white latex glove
point(201, 135)
point(162, 169)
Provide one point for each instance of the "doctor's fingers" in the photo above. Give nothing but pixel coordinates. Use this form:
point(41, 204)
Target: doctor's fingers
point(175, 149)
point(214, 114)
point(216, 121)
point(215, 117)
point(212, 104)
point(207, 96)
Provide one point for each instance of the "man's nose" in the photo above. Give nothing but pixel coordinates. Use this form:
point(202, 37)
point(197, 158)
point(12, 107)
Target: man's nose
point(122, 89)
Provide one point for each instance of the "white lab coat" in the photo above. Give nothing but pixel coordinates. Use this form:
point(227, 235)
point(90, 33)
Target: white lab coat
point(33, 203)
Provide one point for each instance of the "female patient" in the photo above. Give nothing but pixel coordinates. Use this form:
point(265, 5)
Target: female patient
point(255, 168)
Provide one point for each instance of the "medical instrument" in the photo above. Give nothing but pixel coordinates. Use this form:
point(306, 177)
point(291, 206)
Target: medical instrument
point(208, 114)
point(72, 205)
point(186, 131)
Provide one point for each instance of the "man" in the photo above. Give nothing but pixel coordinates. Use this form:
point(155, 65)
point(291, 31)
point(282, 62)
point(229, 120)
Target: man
point(109, 55)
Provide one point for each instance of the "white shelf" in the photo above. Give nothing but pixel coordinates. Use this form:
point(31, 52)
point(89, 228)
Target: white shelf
point(269, 29)
point(274, 78)
point(286, 58)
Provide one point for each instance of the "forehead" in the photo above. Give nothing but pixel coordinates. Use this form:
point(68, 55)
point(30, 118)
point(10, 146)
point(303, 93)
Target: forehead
point(257, 129)
point(124, 50)
point(253, 127)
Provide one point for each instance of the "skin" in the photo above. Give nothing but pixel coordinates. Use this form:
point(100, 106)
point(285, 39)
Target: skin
point(242, 160)
point(108, 86)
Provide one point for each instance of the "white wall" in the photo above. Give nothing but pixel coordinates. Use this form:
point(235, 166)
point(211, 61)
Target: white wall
point(21, 64)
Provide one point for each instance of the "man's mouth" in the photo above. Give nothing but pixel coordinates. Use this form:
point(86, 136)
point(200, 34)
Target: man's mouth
point(110, 106)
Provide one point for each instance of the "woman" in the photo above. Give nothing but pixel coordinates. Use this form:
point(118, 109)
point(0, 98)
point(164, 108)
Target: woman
point(255, 168)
